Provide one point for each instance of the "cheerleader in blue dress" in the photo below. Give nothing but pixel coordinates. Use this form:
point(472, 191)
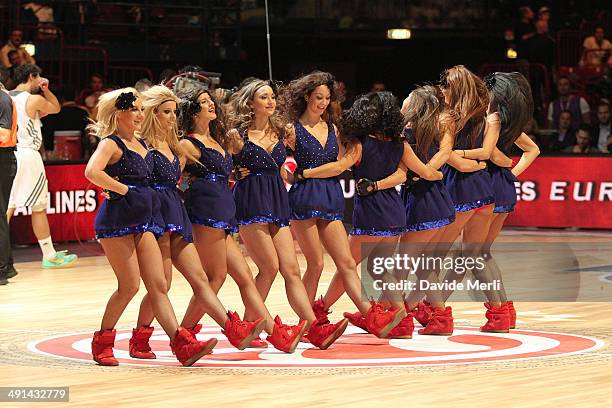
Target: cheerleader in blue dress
point(211, 208)
point(126, 223)
point(512, 102)
point(428, 204)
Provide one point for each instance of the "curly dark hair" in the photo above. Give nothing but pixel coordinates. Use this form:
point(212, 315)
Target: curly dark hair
point(510, 96)
point(375, 113)
point(292, 97)
point(190, 107)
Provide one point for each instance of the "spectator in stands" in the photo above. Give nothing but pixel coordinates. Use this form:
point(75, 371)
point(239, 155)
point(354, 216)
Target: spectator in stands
point(15, 43)
point(15, 61)
point(71, 117)
point(143, 84)
point(541, 46)
point(583, 142)
point(601, 132)
point(89, 96)
point(577, 105)
point(524, 30)
point(596, 48)
point(378, 86)
point(566, 135)
point(544, 15)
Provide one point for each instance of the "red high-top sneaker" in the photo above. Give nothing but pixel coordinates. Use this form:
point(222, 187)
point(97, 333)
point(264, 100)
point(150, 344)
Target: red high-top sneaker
point(422, 312)
point(380, 322)
point(322, 335)
point(512, 312)
point(102, 347)
point(356, 319)
point(285, 337)
point(139, 343)
point(404, 329)
point(240, 333)
point(440, 323)
point(498, 319)
point(321, 311)
point(187, 349)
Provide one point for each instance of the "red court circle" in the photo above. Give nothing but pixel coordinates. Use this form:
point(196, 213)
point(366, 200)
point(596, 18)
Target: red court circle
point(354, 349)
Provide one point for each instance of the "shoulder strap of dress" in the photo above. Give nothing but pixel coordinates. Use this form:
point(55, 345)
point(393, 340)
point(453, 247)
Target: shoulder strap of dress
point(143, 143)
point(119, 142)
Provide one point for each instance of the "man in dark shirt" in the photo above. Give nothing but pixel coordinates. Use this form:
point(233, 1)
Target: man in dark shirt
point(8, 164)
point(71, 117)
point(524, 30)
point(541, 47)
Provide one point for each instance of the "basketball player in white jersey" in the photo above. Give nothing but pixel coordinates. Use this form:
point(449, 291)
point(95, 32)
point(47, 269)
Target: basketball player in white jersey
point(33, 99)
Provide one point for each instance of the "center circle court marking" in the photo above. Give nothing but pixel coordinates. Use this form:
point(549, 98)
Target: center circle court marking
point(355, 349)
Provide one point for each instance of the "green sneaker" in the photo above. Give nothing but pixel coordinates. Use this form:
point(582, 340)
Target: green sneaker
point(62, 260)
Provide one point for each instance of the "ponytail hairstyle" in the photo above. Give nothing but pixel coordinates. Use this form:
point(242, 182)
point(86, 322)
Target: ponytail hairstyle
point(511, 97)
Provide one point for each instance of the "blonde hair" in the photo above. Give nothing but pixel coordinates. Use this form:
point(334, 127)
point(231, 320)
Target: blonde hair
point(152, 99)
point(106, 116)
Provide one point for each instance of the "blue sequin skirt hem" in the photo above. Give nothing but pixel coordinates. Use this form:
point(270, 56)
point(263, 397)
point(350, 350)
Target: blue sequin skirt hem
point(429, 225)
point(264, 219)
point(324, 215)
point(179, 230)
point(157, 230)
point(209, 222)
point(503, 209)
point(376, 232)
point(463, 207)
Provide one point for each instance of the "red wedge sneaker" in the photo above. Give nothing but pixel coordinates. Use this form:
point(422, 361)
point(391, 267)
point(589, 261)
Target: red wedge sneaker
point(321, 311)
point(404, 329)
point(440, 323)
point(285, 337)
point(380, 321)
point(239, 332)
point(102, 347)
point(139, 343)
point(512, 312)
point(422, 313)
point(323, 335)
point(187, 349)
point(498, 319)
point(356, 319)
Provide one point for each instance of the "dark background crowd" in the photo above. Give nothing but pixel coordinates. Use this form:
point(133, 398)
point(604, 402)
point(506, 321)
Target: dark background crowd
point(88, 48)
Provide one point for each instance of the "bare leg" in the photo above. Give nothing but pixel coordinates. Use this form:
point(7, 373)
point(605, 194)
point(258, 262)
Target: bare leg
point(258, 242)
point(307, 234)
point(145, 314)
point(152, 274)
point(474, 237)
point(289, 268)
point(121, 254)
point(334, 238)
point(187, 261)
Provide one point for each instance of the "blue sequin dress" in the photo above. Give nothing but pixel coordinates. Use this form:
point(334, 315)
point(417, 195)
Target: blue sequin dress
point(166, 174)
point(468, 190)
point(261, 197)
point(208, 199)
point(428, 203)
point(139, 210)
point(315, 198)
point(381, 213)
point(502, 181)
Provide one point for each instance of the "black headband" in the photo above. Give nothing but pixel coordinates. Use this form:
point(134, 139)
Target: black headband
point(125, 101)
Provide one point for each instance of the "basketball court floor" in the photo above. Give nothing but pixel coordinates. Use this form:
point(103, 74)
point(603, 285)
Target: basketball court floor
point(559, 355)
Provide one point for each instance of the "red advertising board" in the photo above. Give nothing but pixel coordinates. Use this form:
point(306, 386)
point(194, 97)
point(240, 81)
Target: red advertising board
point(565, 192)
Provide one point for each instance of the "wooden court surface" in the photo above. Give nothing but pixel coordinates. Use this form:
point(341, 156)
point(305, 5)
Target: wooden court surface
point(42, 303)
